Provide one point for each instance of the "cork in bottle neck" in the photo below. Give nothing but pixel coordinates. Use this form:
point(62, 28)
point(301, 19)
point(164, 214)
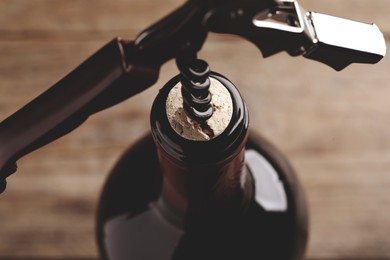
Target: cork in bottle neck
point(191, 129)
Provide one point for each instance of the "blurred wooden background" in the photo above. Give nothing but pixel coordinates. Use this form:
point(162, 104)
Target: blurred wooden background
point(334, 127)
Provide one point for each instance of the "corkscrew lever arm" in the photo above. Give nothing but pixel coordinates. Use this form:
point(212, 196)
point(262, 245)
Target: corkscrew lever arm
point(285, 26)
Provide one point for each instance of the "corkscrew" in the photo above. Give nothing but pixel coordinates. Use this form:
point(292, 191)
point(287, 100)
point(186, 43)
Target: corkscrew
point(123, 68)
point(216, 192)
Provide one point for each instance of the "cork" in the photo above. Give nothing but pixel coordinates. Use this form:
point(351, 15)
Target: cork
point(190, 129)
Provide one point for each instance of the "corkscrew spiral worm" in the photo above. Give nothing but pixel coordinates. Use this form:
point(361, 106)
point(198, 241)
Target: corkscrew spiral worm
point(195, 90)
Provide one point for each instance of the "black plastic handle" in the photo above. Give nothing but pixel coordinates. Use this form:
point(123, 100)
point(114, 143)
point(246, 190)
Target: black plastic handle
point(103, 80)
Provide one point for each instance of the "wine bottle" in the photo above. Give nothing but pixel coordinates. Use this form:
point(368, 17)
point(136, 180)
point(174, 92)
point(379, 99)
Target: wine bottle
point(197, 187)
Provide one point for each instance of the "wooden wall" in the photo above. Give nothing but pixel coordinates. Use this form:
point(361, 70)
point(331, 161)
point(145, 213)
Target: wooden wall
point(334, 127)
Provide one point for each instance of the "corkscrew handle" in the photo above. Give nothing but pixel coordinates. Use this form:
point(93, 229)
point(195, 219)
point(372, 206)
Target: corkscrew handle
point(103, 80)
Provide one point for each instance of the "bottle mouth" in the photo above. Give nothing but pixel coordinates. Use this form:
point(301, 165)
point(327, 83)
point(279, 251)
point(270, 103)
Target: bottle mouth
point(200, 130)
point(229, 140)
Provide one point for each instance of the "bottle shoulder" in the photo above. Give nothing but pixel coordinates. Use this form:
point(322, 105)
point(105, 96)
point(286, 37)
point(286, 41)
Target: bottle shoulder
point(129, 210)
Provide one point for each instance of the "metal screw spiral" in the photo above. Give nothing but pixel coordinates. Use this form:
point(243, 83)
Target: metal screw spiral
point(195, 90)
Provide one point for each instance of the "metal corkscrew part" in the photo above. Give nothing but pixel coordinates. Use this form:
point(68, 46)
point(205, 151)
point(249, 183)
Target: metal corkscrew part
point(195, 90)
point(123, 68)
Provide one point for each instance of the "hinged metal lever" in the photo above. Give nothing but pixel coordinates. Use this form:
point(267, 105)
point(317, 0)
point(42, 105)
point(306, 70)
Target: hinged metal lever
point(286, 26)
point(339, 42)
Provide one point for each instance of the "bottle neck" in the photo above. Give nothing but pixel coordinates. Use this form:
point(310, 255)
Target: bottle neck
point(202, 176)
point(223, 185)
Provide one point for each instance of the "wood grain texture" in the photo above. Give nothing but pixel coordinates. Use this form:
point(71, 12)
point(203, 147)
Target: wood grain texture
point(334, 127)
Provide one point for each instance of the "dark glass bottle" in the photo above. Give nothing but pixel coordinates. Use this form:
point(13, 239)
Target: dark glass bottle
point(226, 198)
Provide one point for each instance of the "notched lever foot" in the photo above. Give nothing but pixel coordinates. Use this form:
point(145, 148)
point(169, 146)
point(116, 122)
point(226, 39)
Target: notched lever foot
point(334, 41)
point(339, 42)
